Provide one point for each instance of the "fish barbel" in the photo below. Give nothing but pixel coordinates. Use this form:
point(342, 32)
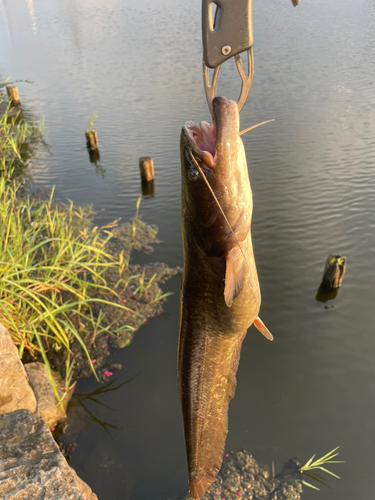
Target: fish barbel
point(220, 296)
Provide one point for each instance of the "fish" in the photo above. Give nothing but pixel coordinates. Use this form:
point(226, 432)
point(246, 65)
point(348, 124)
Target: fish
point(220, 296)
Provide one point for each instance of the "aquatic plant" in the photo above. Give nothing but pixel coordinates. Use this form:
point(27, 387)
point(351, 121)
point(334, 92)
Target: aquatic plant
point(312, 467)
point(340, 261)
point(91, 124)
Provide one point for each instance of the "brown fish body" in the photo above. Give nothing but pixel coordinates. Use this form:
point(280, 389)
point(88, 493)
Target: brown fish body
point(220, 296)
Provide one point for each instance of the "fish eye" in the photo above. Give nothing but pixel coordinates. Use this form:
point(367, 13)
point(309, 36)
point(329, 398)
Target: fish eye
point(193, 174)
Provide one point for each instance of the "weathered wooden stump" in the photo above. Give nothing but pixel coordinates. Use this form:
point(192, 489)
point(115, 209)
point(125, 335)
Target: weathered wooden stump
point(146, 166)
point(334, 271)
point(148, 188)
point(92, 140)
point(13, 94)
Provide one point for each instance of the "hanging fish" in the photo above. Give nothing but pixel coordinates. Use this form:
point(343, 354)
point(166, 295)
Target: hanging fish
point(220, 296)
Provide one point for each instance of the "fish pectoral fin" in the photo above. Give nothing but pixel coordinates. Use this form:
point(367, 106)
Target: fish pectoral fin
point(234, 274)
point(259, 325)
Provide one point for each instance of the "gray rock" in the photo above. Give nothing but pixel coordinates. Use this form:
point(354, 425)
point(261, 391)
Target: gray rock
point(15, 391)
point(48, 407)
point(31, 465)
point(242, 477)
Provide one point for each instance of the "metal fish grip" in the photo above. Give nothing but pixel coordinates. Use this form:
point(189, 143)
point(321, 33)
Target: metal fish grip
point(226, 32)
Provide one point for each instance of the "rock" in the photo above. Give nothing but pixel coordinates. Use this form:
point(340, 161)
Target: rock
point(48, 407)
point(241, 476)
point(15, 391)
point(31, 465)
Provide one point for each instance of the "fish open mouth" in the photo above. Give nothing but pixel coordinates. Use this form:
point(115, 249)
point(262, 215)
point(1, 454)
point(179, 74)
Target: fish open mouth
point(203, 141)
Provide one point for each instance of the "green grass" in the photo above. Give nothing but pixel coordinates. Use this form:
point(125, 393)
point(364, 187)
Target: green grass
point(64, 282)
point(339, 261)
point(313, 467)
point(91, 124)
point(17, 140)
point(48, 267)
point(62, 279)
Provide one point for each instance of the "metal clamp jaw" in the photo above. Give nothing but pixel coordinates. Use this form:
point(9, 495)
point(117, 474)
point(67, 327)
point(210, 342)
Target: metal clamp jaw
point(226, 32)
point(210, 89)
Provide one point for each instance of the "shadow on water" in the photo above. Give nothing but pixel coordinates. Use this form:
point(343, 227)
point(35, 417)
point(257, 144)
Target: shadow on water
point(79, 404)
point(94, 157)
point(324, 293)
point(148, 189)
point(82, 410)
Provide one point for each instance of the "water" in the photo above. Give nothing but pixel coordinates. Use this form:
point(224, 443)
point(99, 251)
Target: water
point(137, 66)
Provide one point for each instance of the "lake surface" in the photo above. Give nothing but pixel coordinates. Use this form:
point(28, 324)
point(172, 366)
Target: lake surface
point(137, 65)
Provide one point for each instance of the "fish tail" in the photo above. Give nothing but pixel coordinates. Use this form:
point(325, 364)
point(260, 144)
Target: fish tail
point(207, 377)
point(199, 485)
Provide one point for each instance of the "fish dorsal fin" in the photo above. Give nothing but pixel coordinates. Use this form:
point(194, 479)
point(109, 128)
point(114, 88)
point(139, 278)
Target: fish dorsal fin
point(234, 274)
point(259, 325)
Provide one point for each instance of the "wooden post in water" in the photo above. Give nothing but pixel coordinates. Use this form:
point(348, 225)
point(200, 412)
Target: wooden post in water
point(334, 270)
point(92, 140)
point(13, 94)
point(146, 166)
